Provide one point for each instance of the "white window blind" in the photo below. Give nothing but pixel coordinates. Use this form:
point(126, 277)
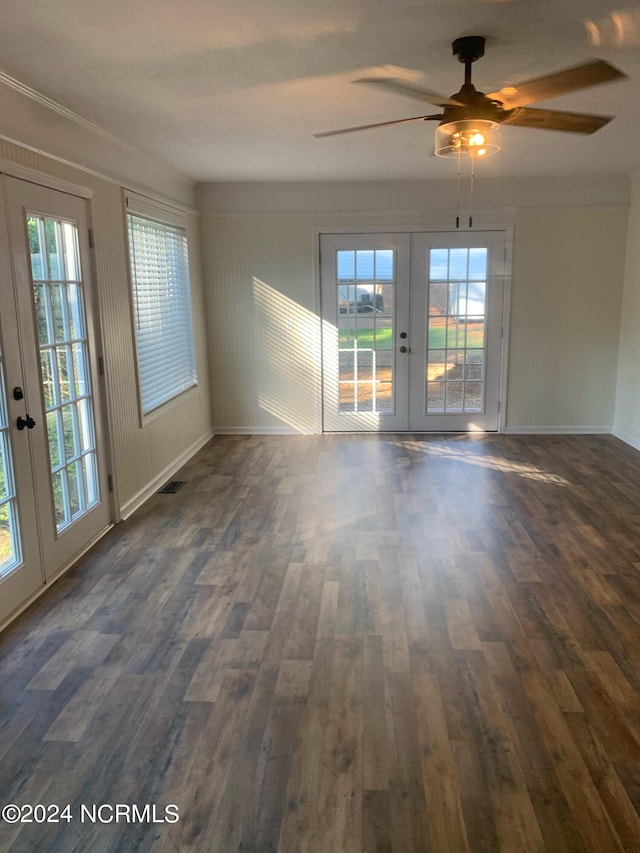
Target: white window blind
point(161, 307)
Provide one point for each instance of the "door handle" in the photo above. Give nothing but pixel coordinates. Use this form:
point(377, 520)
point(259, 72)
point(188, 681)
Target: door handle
point(404, 349)
point(29, 423)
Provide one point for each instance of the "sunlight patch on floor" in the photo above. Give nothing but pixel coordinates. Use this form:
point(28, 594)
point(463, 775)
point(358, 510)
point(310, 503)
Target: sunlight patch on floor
point(495, 463)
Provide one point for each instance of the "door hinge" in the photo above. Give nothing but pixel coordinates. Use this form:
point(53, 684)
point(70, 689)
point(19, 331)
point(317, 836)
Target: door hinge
point(101, 365)
point(499, 406)
point(110, 482)
point(91, 243)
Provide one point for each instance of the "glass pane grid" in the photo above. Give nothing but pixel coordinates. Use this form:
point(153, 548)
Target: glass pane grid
point(365, 294)
point(64, 365)
point(70, 460)
point(456, 330)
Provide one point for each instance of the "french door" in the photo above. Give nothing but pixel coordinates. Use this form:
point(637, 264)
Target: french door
point(365, 301)
point(53, 480)
point(412, 331)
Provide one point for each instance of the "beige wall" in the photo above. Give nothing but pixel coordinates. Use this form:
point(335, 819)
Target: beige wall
point(565, 318)
point(265, 332)
point(142, 457)
point(627, 415)
point(263, 326)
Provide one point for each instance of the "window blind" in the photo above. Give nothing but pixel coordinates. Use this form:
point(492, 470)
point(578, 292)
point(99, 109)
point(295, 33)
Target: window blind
point(161, 308)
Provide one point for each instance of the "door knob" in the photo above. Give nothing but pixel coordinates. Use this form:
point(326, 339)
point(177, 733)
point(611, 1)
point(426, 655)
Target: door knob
point(403, 349)
point(29, 423)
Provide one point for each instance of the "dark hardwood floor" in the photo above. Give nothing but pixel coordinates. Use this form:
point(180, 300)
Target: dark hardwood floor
point(336, 644)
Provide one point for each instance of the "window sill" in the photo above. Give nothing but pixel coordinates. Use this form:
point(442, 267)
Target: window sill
point(164, 408)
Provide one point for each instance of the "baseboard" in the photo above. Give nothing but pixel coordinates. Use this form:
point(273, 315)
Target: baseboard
point(513, 430)
point(160, 479)
point(277, 430)
point(558, 430)
point(631, 440)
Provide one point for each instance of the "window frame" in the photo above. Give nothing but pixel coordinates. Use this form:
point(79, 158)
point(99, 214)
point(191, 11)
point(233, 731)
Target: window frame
point(166, 215)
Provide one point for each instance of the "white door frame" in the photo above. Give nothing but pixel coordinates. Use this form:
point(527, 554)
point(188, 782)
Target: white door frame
point(486, 418)
point(27, 578)
point(396, 419)
point(86, 194)
point(432, 227)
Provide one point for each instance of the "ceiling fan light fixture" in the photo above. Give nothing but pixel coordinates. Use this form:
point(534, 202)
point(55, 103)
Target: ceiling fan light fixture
point(470, 138)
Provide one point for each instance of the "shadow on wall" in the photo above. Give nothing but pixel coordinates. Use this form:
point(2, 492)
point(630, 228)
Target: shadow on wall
point(288, 355)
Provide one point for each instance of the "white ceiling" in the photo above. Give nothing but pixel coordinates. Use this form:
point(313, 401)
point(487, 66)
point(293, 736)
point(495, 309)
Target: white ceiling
point(233, 90)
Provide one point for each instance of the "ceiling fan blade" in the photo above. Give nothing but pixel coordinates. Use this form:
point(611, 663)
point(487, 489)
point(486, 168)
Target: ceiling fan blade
point(562, 82)
point(377, 124)
point(556, 120)
point(401, 88)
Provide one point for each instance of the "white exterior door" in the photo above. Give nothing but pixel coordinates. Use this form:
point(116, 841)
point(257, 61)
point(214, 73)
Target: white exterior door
point(20, 564)
point(365, 282)
point(412, 331)
point(457, 304)
point(56, 493)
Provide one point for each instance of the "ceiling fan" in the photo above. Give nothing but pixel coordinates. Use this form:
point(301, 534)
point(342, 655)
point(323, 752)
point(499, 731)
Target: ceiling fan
point(470, 120)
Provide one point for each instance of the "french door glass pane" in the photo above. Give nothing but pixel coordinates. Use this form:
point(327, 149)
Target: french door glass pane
point(64, 364)
point(366, 301)
point(456, 330)
point(10, 556)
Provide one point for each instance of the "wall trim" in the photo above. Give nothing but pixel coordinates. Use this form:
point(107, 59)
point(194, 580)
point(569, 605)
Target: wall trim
point(295, 198)
point(631, 440)
point(36, 123)
point(159, 480)
point(517, 430)
point(558, 430)
point(95, 173)
point(503, 213)
point(262, 430)
point(49, 103)
point(52, 182)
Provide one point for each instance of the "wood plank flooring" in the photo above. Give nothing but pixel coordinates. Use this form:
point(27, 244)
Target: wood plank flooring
point(344, 644)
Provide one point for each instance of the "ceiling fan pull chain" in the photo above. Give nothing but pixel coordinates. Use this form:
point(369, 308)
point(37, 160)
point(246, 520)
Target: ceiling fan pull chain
point(458, 193)
point(473, 168)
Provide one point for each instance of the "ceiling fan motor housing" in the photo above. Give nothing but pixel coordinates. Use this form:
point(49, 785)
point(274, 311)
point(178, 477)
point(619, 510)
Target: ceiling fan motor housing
point(468, 48)
point(478, 106)
point(471, 104)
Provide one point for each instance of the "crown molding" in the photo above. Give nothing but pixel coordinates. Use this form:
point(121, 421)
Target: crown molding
point(68, 138)
point(63, 111)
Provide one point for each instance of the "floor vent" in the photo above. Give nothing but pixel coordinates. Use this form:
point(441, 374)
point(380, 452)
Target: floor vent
point(171, 487)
